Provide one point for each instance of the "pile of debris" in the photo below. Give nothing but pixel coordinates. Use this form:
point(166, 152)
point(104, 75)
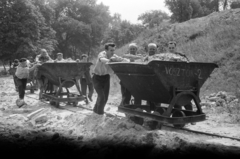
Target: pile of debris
point(176, 57)
point(220, 99)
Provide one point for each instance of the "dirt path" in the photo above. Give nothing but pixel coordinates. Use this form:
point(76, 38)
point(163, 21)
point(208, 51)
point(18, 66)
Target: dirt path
point(94, 134)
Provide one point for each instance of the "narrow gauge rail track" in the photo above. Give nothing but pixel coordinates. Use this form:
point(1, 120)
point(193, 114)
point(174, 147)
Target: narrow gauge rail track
point(164, 125)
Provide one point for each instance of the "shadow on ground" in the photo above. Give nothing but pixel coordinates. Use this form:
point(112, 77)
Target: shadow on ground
point(57, 146)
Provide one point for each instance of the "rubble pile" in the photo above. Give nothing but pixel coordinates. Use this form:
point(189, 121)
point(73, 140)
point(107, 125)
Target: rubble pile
point(220, 99)
point(168, 57)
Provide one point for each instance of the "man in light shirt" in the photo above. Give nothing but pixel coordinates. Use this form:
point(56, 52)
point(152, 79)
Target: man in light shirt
point(126, 94)
point(101, 76)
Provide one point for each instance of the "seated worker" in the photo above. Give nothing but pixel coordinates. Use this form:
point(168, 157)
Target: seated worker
point(59, 58)
point(172, 49)
point(22, 74)
point(86, 82)
point(152, 50)
point(126, 94)
point(43, 57)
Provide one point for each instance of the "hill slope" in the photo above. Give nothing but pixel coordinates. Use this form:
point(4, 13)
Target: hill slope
point(214, 38)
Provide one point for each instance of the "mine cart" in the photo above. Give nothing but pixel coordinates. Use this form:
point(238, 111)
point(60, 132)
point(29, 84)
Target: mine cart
point(31, 82)
point(173, 84)
point(64, 76)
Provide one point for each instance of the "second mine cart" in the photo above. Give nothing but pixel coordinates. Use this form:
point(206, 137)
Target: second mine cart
point(63, 75)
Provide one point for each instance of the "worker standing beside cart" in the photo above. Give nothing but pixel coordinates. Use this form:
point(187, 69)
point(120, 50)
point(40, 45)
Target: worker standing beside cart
point(126, 94)
point(101, 76)
point(86, 80)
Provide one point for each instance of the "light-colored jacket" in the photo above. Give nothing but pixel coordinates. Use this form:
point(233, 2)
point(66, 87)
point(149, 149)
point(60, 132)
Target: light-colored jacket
point(22, 72)
point(102, 68)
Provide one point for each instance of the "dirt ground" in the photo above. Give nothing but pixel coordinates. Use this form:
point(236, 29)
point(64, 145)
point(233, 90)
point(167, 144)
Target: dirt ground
point(60, 133)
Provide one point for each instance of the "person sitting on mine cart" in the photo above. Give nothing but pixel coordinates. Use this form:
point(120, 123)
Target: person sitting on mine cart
point(126, 94)
point(59, 58)
point(43, 57)
point(179, 56)
point(22, 74)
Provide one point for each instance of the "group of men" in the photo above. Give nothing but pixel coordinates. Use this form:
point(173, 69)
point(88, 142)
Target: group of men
point(100, 80)
point(102, 71)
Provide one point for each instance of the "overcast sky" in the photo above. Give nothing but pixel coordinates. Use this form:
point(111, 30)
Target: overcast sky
point(131, 9)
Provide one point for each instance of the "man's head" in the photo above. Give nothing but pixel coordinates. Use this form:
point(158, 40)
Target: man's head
point(110, 48)
point(44, 52)
point(16, 61)
point(84, 57)
point(152, 49)
point(172, 46)
point(133, 48)
point(59, 56)
point(23, 62)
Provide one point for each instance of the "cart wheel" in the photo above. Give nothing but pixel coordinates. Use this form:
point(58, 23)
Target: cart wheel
point(57, 104)
point(137, 120)
point(178, 113)
point(75, 104)
point(52, 102)
point(32, 91)
point(160, 110)
point(152, 124)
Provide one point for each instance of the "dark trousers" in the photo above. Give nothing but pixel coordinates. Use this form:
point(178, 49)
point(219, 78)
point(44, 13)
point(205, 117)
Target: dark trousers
point(126, 96)
point(22, 83)
point(102, 86)
point(15, 79)
point(84, 85)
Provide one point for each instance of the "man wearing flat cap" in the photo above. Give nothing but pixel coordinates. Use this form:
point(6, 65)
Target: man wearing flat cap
point(59, 57)
point(126, 94)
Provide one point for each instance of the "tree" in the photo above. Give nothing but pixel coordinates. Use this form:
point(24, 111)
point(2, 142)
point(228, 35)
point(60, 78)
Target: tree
point(152, 18)
point(235, 4)
point(23, 30)
point(88, 16)
point(184, 10)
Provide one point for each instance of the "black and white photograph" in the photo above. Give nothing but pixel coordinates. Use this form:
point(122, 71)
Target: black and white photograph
point(119, 79)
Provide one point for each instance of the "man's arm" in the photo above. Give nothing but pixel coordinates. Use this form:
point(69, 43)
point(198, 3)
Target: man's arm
point(116, 58)
point(104, 60)
point(133, 57)
point(37, 58)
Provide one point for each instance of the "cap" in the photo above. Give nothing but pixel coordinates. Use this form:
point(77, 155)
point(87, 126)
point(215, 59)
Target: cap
point(22, 60)
point(16, 60)
point(133, 45)
point(152, 45)
point(172, 42)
